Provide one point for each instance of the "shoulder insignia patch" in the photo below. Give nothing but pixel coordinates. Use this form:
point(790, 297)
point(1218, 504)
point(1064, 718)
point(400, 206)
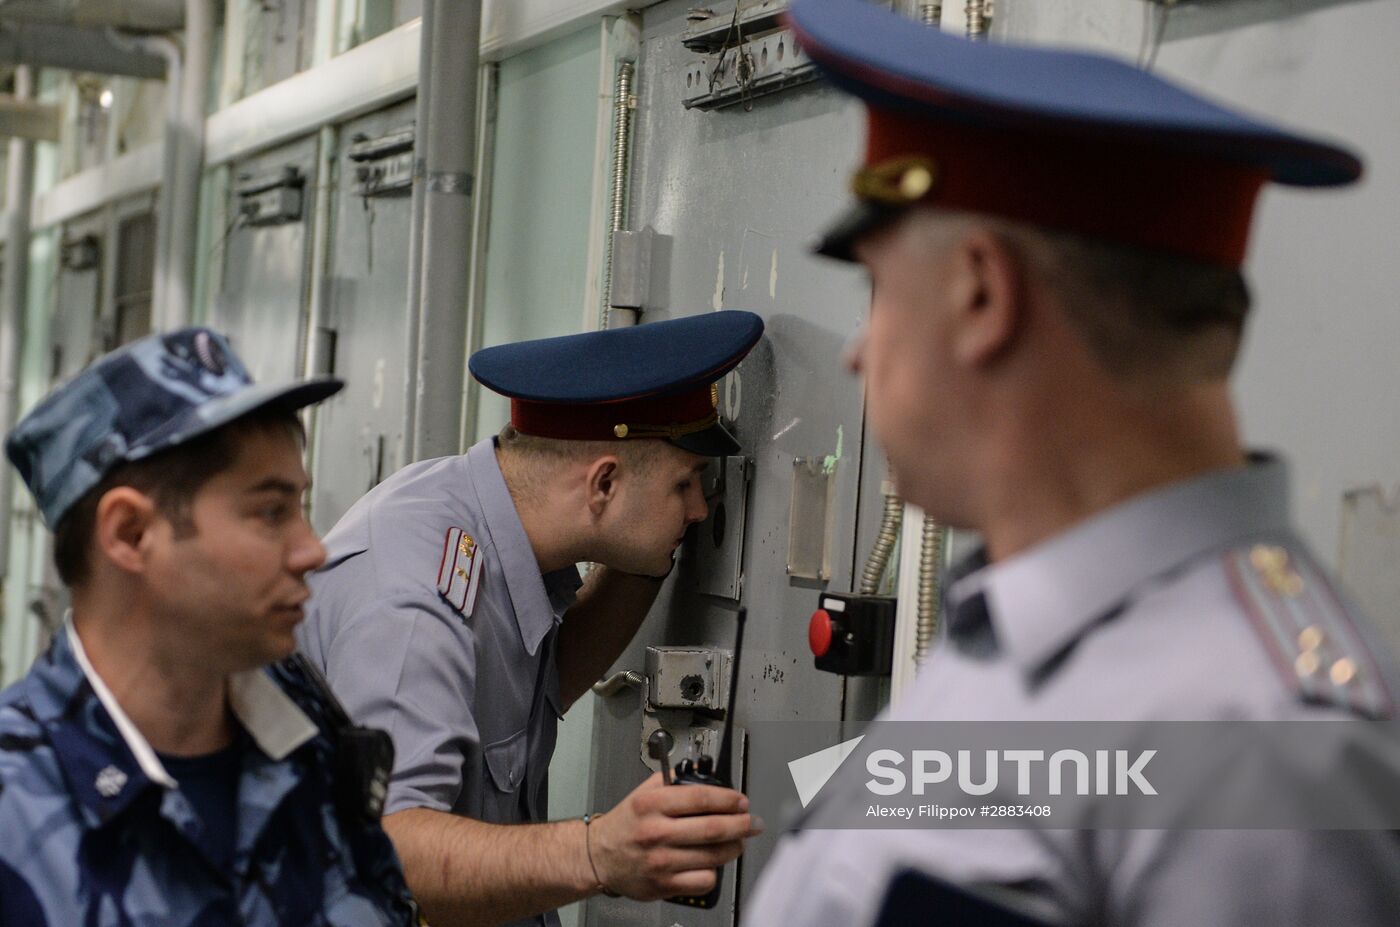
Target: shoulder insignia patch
point(1311, 637)
point(459, 573)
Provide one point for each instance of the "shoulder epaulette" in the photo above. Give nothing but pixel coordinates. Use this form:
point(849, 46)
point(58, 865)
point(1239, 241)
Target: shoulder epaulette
point(459, 571)
point(1311, 636)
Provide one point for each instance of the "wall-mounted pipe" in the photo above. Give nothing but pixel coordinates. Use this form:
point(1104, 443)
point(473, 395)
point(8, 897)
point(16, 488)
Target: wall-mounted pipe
point(415, 230)
point(19, 190)
point(169, 51)
point(183, 185)
point(136, 15)
point(449, 155)
point(44, 45)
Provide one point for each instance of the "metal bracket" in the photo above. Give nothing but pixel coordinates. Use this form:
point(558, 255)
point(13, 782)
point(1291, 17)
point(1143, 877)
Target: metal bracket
point(685, 692)
point(383, 165)
point(82, 253)
point(747, 56)
point(687, 677)
point(272, 199)
point(640, 269)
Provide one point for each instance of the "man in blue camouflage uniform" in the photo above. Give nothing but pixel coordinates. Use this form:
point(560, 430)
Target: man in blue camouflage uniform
point(153, 769)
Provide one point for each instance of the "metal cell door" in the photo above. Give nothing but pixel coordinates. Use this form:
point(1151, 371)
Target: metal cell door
point(360, 432)
point(262, 302)
point(723, 167)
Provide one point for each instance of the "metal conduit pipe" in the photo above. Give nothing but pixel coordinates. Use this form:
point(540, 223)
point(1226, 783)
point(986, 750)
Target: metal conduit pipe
point(314, 362)
point(415, 228)
point(43, 45)
point(137, 15)
point(932, 551)
point(169, 51)
point(624, 102)
point(449, 151)
point(183, 185)
point(19, 192)
point(979, 18)
point(885, 541)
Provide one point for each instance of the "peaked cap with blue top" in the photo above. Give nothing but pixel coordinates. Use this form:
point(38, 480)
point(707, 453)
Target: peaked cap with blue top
point(645, 381)
point(1074, 141)
point(142, 398)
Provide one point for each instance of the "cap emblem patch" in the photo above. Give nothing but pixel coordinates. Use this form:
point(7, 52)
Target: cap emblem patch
point(210, 355)
point(896, 182)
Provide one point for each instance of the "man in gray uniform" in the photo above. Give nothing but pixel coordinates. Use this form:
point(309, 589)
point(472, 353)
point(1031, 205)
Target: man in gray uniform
point(450, 614)
point(1053, 241)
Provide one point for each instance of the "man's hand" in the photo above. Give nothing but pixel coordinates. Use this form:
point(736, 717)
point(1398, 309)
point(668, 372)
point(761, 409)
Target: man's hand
point(663, 840)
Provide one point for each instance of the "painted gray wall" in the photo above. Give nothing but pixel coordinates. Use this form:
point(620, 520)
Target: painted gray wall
point(1319, 376)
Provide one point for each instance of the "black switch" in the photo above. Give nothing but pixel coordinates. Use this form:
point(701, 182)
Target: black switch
point(853, 634)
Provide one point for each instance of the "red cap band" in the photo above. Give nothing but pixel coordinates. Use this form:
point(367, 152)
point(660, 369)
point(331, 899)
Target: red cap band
point(1101, 184)
point(646, 417)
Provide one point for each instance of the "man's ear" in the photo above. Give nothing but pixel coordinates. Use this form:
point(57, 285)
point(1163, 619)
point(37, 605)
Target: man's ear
point(988, 298)
point(122, 527)
point(601, 478)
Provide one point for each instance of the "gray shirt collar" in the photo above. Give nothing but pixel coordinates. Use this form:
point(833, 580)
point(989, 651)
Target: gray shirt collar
point(1043, 599)
point(538, 600)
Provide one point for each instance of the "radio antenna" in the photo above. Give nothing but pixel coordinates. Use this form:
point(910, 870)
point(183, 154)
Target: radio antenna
point(726, 744)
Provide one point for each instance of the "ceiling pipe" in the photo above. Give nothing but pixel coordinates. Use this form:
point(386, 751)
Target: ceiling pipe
point(44, 45)
point(136, 15)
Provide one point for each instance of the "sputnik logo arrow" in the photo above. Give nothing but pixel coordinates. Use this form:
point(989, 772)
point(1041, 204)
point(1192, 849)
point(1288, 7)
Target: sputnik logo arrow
point(811, 772)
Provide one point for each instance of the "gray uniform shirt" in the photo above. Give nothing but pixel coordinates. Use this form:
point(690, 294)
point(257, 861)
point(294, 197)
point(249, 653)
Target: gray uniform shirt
point(1158, 609)
point(431, 620)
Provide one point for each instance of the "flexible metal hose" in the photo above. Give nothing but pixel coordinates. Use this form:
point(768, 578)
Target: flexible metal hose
point(884, 543)
point(932, 549)
point(931, 13)
point(979, 18)
point(622, 150)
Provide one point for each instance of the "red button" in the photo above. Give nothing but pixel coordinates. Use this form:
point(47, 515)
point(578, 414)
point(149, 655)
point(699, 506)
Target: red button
point(819, 632)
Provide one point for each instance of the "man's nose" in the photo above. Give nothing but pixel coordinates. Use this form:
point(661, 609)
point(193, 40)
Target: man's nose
point(699, 510)
point(307, 552)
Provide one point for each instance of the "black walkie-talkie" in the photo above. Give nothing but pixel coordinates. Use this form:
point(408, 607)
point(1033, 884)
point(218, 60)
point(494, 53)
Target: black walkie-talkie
point(364, 756)
point(704, 769)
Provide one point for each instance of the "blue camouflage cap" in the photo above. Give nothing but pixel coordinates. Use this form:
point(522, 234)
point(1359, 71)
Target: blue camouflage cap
point(142, 398)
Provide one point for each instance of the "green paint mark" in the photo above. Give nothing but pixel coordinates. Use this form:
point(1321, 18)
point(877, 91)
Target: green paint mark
point(829, 464)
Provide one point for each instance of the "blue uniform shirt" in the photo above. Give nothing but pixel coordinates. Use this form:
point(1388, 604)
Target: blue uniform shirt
point(1193, 601)
point(432, 621)
point(94, 831)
